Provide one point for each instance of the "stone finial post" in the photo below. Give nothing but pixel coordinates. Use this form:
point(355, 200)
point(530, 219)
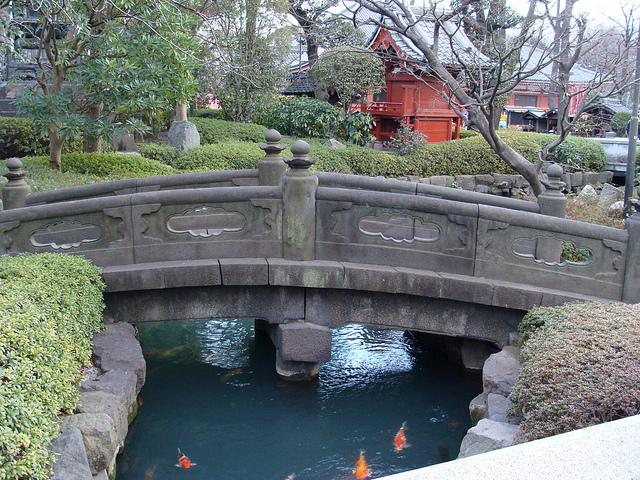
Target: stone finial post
point(272, 167)
point(15, 192)
point(631, 287)
point(299, 188)
point(552, 201)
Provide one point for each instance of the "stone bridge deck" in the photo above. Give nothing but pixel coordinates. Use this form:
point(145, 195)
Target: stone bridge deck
point(303, 250)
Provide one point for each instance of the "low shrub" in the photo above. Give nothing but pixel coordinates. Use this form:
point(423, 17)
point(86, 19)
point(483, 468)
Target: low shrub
point(50, 307)
point(467, 134)
point(300, 116)
point(218, 131)
point(361, 161)
point(41, 178)
point(221, 156)
point(406, 140)
point(579, 367)
point(108, 165)
point(356, 128)
point(156, 151)
point(210, 113)
point(18, 138)
point(473, 156)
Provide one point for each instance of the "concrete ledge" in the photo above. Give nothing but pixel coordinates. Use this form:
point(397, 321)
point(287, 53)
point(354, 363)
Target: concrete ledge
point(610, 451)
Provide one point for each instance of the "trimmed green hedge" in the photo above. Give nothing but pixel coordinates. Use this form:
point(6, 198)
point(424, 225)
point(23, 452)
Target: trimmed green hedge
point(221, 156)
point(50, 307)
point(217, 131)
point(108, 165)
point(473, 156)
point(580, 367)
point(162, 153)
point(19, 138)
point(210, 113)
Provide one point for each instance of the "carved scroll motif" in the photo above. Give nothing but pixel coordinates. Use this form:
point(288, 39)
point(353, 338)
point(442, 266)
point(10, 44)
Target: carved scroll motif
point(399, 228)
point(205, 222)
point(6, 241)
point(271, 216)
point(616, 252)
point(65, 235)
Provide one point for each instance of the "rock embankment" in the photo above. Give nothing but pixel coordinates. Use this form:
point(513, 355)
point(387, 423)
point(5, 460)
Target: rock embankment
point(92, 437)
point(493, 427)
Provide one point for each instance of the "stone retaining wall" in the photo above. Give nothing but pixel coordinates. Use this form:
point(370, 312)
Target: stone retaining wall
point(493, 427)
point(92, 437)
point(509, 185)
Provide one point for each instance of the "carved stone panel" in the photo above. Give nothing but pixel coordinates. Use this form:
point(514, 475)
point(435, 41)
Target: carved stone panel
point(399, 228)
point(65, 235)
point(206, 222)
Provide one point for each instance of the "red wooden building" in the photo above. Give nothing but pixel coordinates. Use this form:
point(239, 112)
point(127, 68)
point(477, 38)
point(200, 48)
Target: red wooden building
point(411, 96)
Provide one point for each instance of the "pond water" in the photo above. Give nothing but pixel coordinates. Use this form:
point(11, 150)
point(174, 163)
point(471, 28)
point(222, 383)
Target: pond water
point(211, 391)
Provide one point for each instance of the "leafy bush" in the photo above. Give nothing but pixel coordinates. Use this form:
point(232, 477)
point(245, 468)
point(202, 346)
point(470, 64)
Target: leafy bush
point(406, 140)
point(360, 160)
point(18, 138)
point(472, 156)
point(41, 178)
point(356, 128)
point(221, 156)
point(210, 113)
point(579, 367)
point(50, 307)
point(467, 134)
point(156, 151)
point(300, 116)
point(218, 131)
point(108, 165)
point(619, 123)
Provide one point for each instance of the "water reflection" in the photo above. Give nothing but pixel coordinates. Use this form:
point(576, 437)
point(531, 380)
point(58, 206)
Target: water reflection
point(211, 390)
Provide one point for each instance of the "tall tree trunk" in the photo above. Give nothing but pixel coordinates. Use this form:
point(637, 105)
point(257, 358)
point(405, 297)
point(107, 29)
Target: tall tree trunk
point(55, 149)
point(92, 143)
point(181, 112)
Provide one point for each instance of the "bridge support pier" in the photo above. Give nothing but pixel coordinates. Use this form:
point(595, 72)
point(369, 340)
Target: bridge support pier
point(300, 349)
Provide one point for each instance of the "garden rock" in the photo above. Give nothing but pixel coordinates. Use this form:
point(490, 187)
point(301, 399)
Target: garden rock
point(102, 475)
point(105, 402)
point(478, 408)
point(498, 408)
point(71, 456)
point(334, 144)
point(120, 383)
point(588, 195)
point(609, 195)
point(616, 209)
point(486, 436)
point(442, 180)
point(183, 135)
point(501, 371)
point(116, 348)
point(99, 437)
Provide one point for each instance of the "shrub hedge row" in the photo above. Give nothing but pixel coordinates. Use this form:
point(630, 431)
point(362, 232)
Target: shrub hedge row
point(50, 307)
point(19, 138)
point(218, 114)
point(579, 367)
point(217, 131)
point(108, 165)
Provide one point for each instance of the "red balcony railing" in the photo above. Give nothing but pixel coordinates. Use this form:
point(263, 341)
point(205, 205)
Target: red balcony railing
point(384, 108)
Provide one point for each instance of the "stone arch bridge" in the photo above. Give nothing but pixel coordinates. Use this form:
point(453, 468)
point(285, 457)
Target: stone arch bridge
point(305, 251)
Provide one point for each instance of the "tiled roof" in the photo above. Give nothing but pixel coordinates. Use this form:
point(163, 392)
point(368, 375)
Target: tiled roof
point(299, 82)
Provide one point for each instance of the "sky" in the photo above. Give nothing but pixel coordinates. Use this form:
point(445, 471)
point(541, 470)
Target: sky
point(600, 11)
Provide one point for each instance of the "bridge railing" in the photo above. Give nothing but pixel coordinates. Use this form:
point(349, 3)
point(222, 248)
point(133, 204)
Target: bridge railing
point(269, 171)
point(296, 217)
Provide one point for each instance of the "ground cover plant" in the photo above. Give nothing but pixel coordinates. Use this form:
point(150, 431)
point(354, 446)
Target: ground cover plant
point(50, 307)
point(579, 367)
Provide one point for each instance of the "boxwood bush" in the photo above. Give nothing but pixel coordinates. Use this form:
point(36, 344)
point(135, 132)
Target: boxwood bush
point(156, 151)
point(218, 114)
point(221, 156)
point(18, 138)
point(217, 131)
point(50, 307)
point(108, 165)
point(579, 367)
point(473, 156)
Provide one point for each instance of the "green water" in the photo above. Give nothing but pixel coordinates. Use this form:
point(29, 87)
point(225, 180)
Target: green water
point(211, 390)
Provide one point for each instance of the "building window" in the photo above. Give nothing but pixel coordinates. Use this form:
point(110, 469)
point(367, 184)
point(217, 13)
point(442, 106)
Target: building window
point(526, 101)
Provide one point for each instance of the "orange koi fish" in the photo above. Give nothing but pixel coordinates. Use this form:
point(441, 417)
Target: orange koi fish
point(362, 471)
point(290, 477)
point(148, 474)
point(184, 462)
point(400, 440)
